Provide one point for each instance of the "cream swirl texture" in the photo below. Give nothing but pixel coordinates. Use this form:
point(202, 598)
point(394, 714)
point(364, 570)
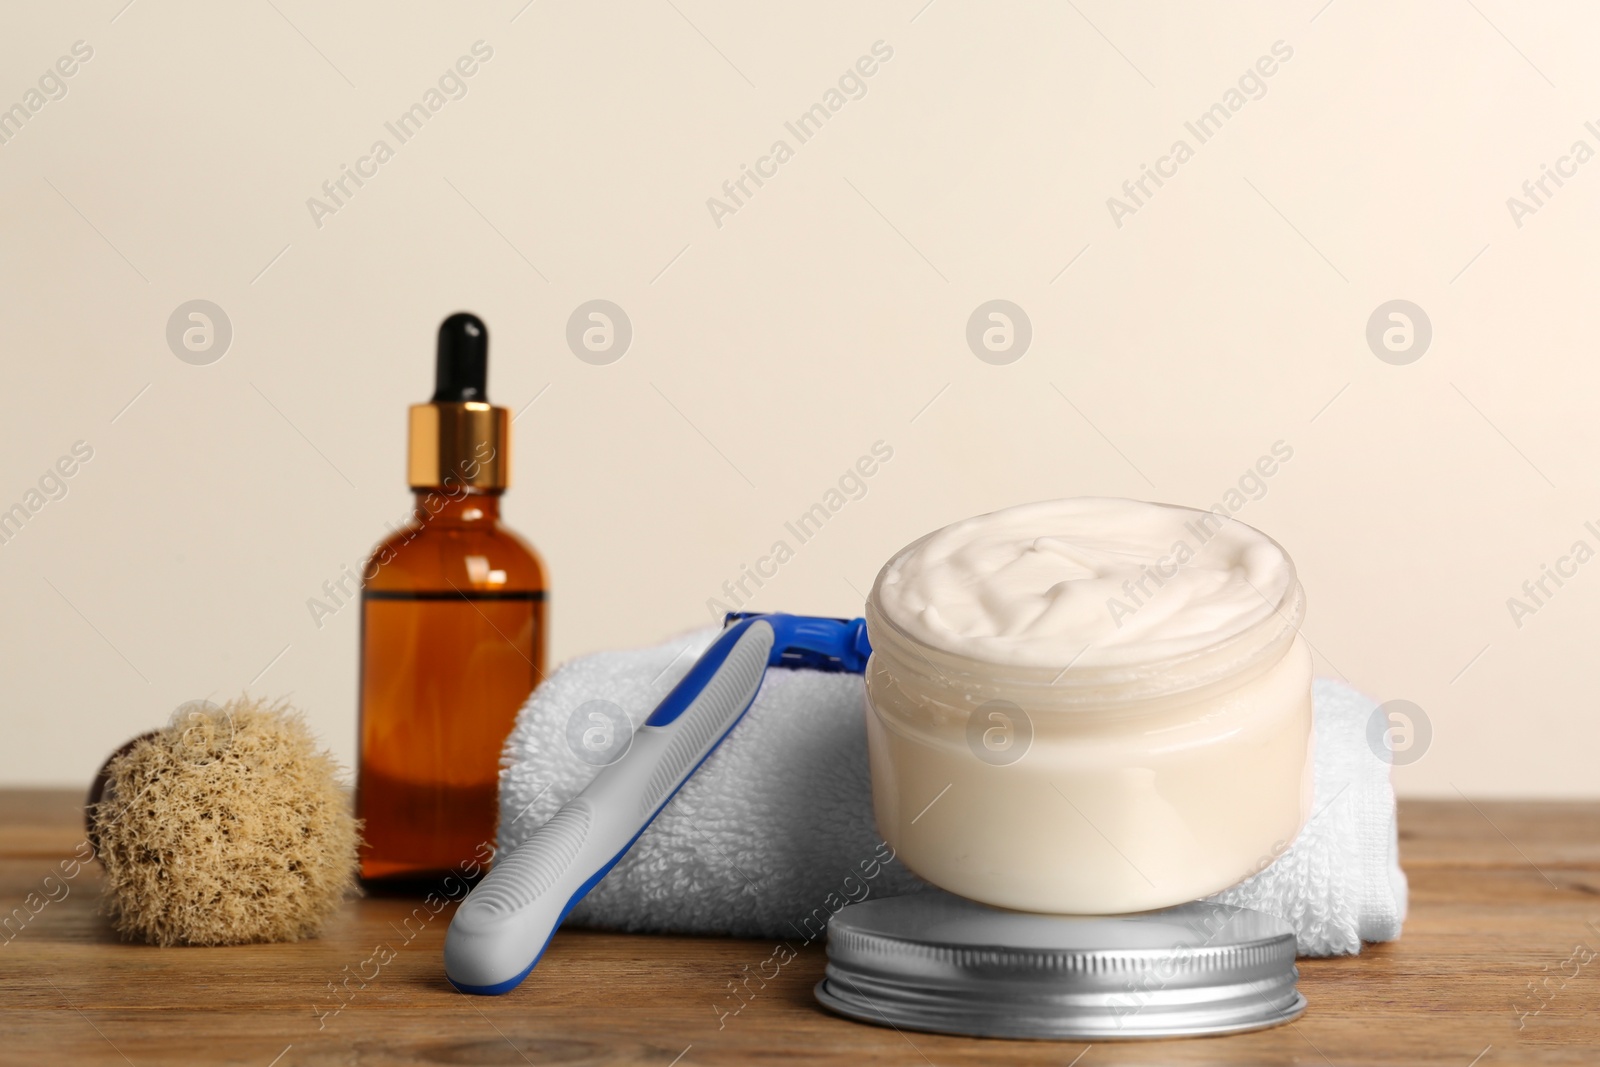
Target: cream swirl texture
point(1085, 582)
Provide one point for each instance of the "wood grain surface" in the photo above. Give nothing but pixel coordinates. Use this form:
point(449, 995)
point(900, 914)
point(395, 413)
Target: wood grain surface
point(1500, 963)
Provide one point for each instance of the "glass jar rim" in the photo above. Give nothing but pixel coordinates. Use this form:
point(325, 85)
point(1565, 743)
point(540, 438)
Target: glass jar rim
point(1221, 665)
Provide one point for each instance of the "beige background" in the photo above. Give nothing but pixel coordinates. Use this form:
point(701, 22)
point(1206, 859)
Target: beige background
point(828, 313)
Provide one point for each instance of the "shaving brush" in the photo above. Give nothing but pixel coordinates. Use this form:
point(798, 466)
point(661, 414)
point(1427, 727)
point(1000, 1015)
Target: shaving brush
point(227, 826)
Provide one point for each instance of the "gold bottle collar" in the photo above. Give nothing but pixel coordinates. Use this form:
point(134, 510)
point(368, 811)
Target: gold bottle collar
point(459, 444)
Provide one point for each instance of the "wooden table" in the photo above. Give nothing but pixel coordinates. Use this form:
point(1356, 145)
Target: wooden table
point(1502, 894)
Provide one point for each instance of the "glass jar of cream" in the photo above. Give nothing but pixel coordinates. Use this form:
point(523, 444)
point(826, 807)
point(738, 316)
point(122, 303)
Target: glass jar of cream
point(1089, 706)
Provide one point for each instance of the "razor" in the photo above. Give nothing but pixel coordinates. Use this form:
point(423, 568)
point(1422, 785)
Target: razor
point(502, 929)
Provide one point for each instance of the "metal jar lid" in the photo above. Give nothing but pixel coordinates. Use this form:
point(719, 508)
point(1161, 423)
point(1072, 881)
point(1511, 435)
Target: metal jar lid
point(937, 962)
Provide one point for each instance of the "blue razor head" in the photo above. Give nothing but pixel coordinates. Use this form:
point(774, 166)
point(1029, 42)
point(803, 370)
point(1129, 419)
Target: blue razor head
point(814, 643)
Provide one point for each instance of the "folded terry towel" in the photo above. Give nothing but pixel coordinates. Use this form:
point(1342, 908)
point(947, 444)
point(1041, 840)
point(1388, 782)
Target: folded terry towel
point(775, 832)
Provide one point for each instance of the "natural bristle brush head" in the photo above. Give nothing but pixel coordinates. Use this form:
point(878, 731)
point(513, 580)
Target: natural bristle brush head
point(227, 826)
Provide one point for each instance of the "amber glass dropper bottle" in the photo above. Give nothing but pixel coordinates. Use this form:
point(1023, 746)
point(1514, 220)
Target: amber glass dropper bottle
point(452, 633)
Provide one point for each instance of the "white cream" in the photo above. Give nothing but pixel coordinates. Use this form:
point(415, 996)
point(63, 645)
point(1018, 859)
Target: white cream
point(1094, 581)
point(1029, 752)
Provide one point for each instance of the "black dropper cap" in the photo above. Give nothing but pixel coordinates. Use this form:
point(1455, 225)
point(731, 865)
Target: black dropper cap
point(463, 368)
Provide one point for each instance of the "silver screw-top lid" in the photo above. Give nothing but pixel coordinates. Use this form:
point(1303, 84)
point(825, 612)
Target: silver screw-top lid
point(937, 962)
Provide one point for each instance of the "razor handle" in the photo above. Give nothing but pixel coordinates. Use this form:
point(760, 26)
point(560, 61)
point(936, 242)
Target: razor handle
point(505, 924)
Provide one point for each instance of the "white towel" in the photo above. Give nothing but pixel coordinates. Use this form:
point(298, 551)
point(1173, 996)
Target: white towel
point(1340, 883)
point(775, 832)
